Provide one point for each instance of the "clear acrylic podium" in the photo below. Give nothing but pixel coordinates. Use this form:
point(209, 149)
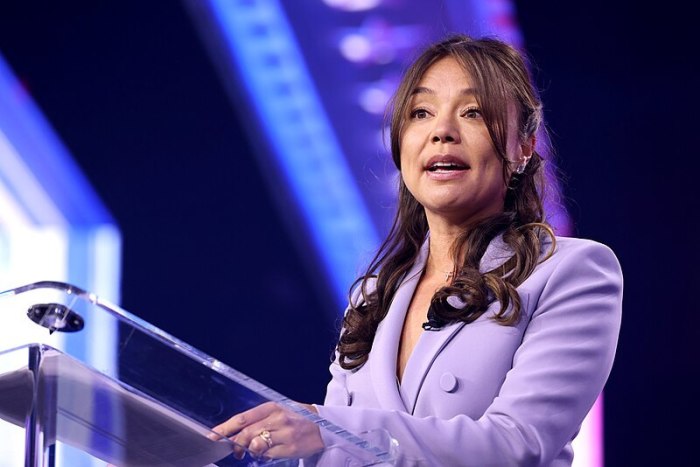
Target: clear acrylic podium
point(83, 378)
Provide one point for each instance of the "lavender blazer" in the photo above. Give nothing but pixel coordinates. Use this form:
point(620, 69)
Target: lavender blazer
point(483, 394)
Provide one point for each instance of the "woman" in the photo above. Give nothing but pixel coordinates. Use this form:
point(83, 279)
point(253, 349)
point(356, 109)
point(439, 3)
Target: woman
point(476, 337)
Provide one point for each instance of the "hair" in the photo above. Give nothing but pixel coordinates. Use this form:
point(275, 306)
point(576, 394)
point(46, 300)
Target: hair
point(500, 76)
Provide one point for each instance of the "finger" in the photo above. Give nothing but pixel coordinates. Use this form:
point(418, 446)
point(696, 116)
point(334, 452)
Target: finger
point(291, 442)
point(251, 424)
point(261, 444)
point(238, 451)
point(213, 435)
point(232, 427)
point(239, 421)
point(250, 438)
point(290, 435)
point(277, 427)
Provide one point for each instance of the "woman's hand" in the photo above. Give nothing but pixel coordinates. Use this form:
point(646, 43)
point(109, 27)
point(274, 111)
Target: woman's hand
point(272, 431)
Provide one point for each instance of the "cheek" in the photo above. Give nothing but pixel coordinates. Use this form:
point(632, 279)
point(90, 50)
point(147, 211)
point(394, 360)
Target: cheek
point(408, 157)
point(498, 184)
point(410, 143)
point(493, 174)
point(410, 169)
point(406, 178)
point(409, 175)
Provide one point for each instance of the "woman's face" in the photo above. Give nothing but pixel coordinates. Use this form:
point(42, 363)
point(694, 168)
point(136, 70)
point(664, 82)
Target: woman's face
point(448, 161)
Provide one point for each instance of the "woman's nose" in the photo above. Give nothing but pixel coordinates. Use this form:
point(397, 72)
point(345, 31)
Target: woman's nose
point(445, 131)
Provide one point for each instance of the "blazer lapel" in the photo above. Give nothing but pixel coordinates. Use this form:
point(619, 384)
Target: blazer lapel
point(431, 343)
point(386, 341)
point(497, 253)
point(428, 347)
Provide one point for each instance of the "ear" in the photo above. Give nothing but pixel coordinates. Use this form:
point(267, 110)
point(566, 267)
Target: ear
point(527, 147)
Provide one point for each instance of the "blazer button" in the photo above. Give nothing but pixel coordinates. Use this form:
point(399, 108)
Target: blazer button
point(448, 382)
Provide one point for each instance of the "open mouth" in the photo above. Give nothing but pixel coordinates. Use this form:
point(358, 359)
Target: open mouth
point(446, 167)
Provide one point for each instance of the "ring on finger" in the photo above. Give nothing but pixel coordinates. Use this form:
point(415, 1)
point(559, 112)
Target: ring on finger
point(267, 437)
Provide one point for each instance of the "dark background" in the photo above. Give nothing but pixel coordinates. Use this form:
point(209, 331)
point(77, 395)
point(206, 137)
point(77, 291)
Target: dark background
point(131, 91)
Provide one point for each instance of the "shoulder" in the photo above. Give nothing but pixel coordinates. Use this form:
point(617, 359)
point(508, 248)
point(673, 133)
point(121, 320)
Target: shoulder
point(576, 261)
point(573, 244)
point(571, 249)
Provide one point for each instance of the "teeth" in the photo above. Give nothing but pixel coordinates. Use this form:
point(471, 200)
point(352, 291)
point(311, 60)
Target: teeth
point(445, 165)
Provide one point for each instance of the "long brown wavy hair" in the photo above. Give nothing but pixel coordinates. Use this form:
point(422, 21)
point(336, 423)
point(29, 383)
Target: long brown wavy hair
point(500, 76)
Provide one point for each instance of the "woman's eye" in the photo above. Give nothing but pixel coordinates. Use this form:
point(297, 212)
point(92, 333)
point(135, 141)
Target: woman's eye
point(472, 112)
point(419, 114)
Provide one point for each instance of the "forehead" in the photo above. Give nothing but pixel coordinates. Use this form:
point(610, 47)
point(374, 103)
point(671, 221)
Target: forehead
point(446, 73)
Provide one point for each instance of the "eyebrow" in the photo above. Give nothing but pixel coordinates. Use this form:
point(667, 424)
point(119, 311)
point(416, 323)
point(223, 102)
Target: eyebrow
point(424, 90)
